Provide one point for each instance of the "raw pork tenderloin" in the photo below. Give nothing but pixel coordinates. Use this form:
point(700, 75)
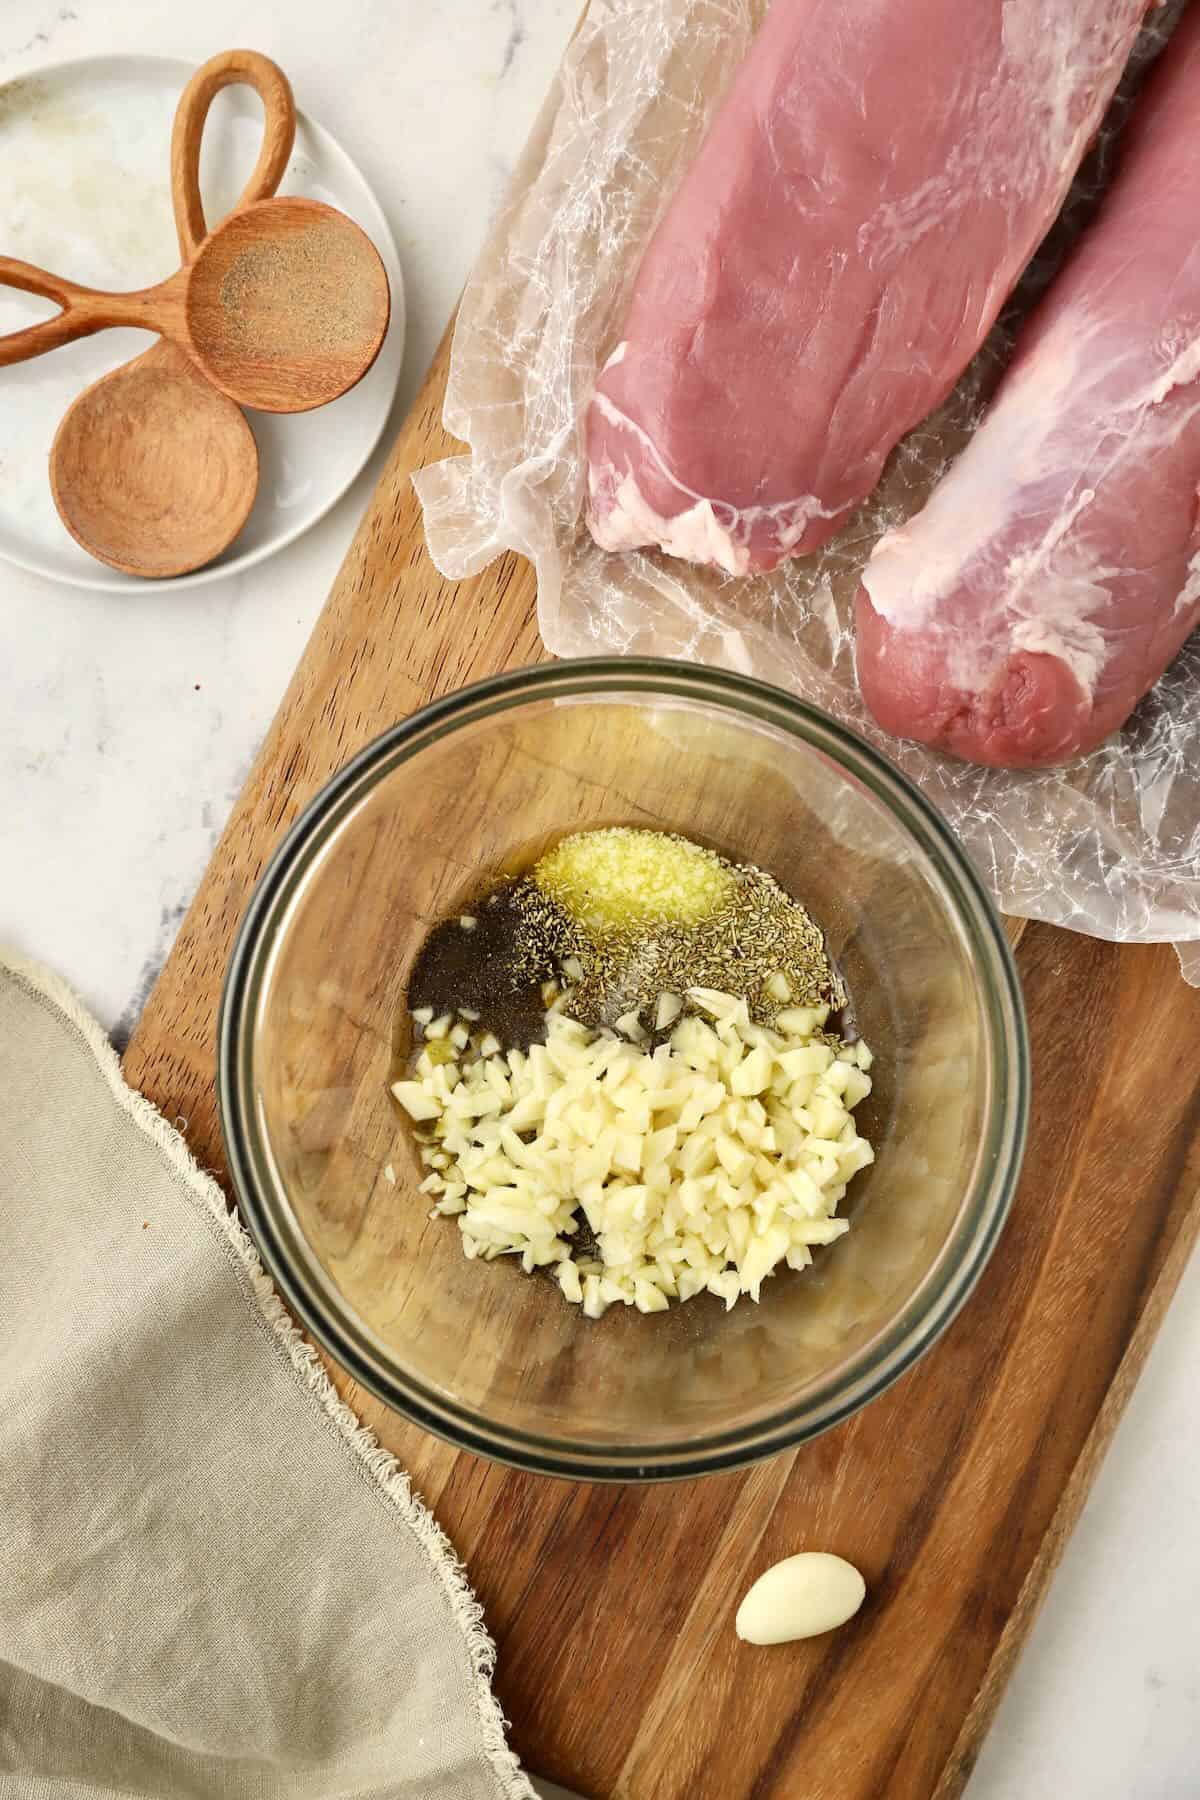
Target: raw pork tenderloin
point(1055, 572)
point(865, 199)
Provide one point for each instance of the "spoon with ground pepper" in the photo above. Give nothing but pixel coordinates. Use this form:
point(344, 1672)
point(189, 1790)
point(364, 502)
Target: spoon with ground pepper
point(283, 306)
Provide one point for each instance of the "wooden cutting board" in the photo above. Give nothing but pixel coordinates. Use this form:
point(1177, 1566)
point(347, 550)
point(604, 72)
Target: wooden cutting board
point(613, 1607)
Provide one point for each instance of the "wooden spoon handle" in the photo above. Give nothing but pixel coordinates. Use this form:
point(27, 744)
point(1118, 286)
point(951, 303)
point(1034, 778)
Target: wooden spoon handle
point(84, 310)
point(48, 334)
point(279, 134)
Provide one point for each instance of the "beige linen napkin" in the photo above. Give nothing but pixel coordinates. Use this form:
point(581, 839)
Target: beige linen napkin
point(212, 1580)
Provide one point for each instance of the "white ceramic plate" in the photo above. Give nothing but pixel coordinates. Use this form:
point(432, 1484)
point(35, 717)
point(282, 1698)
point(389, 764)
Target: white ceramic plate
point(84, 151)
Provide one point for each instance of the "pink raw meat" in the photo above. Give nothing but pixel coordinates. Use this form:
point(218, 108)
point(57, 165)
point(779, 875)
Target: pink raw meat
point(1055, 572)
point(869, 192)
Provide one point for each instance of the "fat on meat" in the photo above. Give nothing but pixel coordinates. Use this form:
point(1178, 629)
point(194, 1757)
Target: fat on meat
point(865, 200)
point(1054, 573)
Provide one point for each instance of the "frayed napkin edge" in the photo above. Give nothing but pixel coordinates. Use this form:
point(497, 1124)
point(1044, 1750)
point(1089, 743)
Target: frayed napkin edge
point(386, 1473)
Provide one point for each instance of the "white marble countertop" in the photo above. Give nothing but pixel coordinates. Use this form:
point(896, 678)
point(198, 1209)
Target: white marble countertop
point(127, 725)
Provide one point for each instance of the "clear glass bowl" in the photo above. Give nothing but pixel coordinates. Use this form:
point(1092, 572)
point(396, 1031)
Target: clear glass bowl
point(496, 1360)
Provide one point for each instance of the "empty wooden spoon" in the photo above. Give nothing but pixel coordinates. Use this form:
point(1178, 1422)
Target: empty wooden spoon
point(153, 470)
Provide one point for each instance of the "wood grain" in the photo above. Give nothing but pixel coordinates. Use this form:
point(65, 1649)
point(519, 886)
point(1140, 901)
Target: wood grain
point(84, 310)
point(287, 305)
point(229, 68)
point(283, 305)
point(153, 470)
point(613, 1607)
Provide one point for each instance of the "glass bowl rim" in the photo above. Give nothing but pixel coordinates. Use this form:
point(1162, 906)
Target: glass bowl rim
point(896, 1348)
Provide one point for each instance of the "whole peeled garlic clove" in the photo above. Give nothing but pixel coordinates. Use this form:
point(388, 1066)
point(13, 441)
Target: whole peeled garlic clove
point(800, 1597)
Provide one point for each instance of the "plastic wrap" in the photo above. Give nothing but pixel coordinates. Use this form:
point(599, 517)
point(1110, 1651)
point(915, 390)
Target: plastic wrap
point(1109, 845)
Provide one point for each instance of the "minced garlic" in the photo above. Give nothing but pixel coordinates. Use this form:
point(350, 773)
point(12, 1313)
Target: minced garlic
point(620, 879)
point(700, 1165)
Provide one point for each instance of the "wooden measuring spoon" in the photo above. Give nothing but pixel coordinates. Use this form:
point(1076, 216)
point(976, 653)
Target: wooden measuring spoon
point(153, 470)
point(284, 306)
